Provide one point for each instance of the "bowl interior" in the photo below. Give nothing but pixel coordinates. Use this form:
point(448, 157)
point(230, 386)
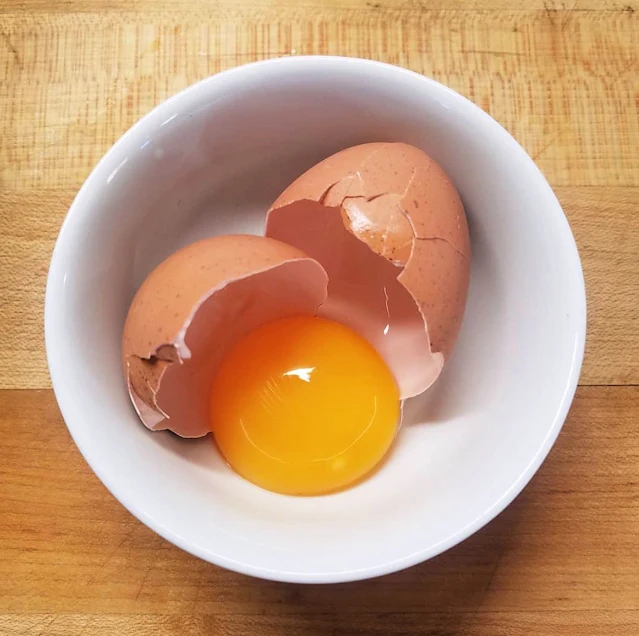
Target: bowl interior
point(211, 160)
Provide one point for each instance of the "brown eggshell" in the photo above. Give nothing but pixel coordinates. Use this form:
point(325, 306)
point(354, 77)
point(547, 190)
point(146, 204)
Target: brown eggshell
point(437, 277)
point(400, 205)
point(363, 291)
point(193, 307)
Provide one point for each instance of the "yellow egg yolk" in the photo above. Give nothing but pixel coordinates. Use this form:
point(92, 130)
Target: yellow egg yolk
point(303, 406)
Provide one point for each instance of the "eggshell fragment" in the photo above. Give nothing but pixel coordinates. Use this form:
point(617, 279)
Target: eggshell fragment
point(398, 204)
point(193, 307)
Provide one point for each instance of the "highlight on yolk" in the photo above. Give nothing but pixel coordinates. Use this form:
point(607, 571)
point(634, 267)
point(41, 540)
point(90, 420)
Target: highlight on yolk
point(303, 406)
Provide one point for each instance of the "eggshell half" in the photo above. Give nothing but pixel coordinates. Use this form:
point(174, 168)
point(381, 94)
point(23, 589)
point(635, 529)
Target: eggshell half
point(389, 227)
point(194, 306)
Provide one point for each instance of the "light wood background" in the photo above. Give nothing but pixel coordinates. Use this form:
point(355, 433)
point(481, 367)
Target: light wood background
point(562, 76)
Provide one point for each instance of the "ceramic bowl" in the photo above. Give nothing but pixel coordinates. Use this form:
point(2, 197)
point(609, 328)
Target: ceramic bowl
point(210, 160)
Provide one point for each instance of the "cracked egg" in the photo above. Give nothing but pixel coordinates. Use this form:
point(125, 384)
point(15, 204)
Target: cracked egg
point(296, 349)
point(388, 226)
point(193, 307)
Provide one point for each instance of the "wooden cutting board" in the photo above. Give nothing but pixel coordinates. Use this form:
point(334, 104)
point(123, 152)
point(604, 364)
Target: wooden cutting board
point(562, 77)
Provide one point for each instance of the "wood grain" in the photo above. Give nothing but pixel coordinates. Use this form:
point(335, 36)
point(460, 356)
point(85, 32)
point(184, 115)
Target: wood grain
point(562, 76)
point(283, 9)
point(563, 83)
point(561, 558)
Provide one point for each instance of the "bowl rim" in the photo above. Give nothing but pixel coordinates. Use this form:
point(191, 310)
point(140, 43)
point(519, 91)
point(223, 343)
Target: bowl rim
point(64, 394)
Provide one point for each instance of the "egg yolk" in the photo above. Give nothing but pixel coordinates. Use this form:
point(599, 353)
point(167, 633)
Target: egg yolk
point(303, 406)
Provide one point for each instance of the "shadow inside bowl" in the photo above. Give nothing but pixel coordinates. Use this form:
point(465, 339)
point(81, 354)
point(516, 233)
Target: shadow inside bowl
point(201, 452)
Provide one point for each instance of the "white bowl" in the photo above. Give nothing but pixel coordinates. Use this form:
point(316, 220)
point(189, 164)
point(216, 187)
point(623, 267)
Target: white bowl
point(210, 160)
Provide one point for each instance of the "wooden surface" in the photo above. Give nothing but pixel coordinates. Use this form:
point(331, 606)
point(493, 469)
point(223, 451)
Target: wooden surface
point(562, 76)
